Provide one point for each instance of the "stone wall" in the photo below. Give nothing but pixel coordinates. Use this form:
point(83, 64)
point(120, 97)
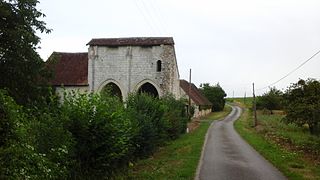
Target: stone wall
point(130, 67)
point(68, 89)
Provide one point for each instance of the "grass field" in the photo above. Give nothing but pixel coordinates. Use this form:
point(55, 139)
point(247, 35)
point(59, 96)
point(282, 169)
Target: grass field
point(290, 148)
point(242, 102)
point(177, 160)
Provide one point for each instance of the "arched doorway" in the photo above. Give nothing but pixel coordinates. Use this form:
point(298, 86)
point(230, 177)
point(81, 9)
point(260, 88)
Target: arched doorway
point(148, 88)
point(112, 89)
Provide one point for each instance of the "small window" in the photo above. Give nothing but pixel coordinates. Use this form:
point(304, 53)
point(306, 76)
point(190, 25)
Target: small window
point(158, 66)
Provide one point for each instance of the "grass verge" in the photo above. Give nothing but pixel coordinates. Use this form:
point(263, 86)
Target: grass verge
point(177, 160)
point(220, 115)
point(292, 163)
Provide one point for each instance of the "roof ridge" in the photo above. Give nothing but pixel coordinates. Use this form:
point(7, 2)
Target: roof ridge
point(195, 94)
point(126, 41)
point(70, 52)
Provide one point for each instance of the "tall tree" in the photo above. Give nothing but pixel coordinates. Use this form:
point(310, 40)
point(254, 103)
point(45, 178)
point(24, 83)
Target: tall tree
point(22, 71)
point(302, 104)
point(215, 94)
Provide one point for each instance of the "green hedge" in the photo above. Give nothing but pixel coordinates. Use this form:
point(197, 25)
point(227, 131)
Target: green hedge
point(34, 143)
point(88, 136)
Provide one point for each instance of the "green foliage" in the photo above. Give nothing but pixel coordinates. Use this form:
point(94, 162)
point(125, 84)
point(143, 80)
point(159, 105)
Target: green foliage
point(179, 158)
point(176, 115)
point(176, 160)
point(271, 100)
point(278, 156)
point(21, 153)
point(302, 104)
point(290, 133)
point(9, 116)
point(156, 121)
point(22, 71)
point(215, 94)
point(88, 136)
point(284, 145)
point(102, 133)
point(146, 113)
point(50, 137)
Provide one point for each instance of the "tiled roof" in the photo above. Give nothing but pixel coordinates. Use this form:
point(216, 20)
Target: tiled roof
point(134, 41)
point(69, 69)
point(195, 93)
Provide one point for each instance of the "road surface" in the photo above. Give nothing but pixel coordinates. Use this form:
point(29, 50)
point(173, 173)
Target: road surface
point(226, 156)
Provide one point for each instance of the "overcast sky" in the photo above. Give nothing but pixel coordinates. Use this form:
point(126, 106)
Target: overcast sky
point(230, 42)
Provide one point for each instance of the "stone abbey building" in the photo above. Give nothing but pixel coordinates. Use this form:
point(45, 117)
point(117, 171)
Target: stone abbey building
point(123, 65)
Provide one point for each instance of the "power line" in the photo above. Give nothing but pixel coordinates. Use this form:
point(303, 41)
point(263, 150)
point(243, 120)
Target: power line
point(158, 14)
point(150, 15)
point(145, 17)
point(291, 71)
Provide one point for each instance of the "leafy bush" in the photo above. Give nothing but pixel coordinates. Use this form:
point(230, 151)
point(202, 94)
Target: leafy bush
point(9, 115)
point(88, 136)
point(146, 113)
point(271, 100)
point(176, 115)
point(102, 134)
point(20, 157)
point(156, 121)
point(51, 138)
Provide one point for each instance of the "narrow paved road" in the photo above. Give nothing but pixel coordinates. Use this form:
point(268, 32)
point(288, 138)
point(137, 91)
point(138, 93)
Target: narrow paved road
point(227, 156)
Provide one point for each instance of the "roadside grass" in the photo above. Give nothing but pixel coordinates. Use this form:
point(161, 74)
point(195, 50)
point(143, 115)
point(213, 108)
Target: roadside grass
point(219, 115)
point(285, 146)
point(289, 134)
point(179, 158)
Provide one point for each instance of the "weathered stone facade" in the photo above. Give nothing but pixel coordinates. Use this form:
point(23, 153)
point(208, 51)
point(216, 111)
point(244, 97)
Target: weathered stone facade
point(124, 66)
point(131, 65)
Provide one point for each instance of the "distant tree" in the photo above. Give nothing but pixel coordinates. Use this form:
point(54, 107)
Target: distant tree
point(270, 100)
point(22, 70)
point(215, 94)
point(302, 104)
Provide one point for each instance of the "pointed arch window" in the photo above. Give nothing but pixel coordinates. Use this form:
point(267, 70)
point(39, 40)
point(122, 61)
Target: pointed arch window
point(148, 89)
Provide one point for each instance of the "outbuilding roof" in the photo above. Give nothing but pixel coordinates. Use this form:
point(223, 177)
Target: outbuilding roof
point(194, 94)
point(69, 69)
point(133, 41)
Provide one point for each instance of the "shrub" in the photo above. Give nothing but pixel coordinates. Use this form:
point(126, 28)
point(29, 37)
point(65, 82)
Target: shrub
point(146, 113)
point(102, 134)
point(9, 115)
point(271, 100)
point(51, 138)
point(155, 121)
point(88, 136)
point(176, 115)
point(19, 156)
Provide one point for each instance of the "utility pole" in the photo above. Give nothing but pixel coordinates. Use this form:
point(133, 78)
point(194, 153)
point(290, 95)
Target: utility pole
point(254, 107)
point(189, 103)
point(244, 99)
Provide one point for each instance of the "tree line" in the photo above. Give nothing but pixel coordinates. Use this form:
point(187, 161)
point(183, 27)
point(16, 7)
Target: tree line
point(300, 103)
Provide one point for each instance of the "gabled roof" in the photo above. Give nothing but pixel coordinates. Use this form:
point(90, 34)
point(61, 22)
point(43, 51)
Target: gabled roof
point(133, 41)
point(195, 93)
point(69, 69)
